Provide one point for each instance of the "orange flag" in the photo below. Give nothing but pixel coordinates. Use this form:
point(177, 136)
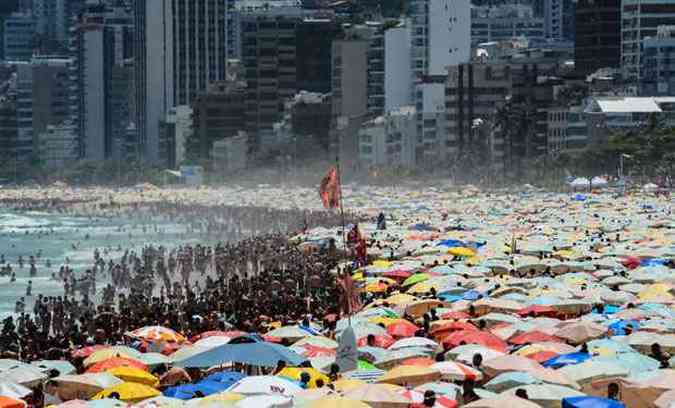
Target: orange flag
point(329, 191)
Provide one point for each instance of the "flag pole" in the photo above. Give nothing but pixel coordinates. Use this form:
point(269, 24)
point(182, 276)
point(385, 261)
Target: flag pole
point(342, 216)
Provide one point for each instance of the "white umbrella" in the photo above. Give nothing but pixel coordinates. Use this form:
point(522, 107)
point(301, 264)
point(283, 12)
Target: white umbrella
point(13, 390)
point(265, 401)
point(265, 385)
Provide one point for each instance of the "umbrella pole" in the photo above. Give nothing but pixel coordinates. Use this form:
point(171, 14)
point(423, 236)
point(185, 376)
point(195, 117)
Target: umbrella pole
point(342, 218)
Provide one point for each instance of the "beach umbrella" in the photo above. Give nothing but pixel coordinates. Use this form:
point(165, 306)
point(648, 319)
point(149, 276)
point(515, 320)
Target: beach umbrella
point(225, 377)
point(546, 395)
point(129, 392)
point(418, 361)
point(292, 333)
point(420, 307)
point(507, 363)
point(590, 402)
point(218, 333)
point(258, 353)
point(188, 391)
point(414, 342)
point(566, 359)
point(643, 391)
point(416, 278)
point(454, 371)
point(377, 395)
point(26, 375)
point(580, 332)
point(417, 398)
point(511, 379)
point(345, 384)
point(537, 310)
point(402, 328)
point(174, 376)
point(295, 373)
point(116, 362)
point(532, 337)
point(556, 348)
point(397, 356)
point(608, 347)
point(449, 390)
point(160, 401)
point(265, 401)
point(665, 400)
point(83, 386)
point(220, 399)
point(634, 362)
point(410, 375)
point(265, 385)
point(154, 359)
point(337, 402)
point(134, 375)
point(379, 340)
point(591, 370)
point(8, 402)
point(85, 352)
point(108, 353)
point(211, 342)
point(501, 402)
point(13, 390)
point(317, 341)
point(157, 334)
point(482, 338)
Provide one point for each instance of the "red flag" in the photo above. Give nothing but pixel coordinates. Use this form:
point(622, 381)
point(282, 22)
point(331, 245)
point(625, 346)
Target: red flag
point(330, 189)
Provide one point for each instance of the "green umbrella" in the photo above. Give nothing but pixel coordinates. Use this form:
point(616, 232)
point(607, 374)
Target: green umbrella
point(416, 278)
point(364, 365)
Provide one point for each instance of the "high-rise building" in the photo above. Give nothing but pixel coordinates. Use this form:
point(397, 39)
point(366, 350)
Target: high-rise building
point(180, 50)
point(597, 42)
point(441, 35)
point(54, 19)
point(102, 44)
point(50, 93)
point(18, 35)
point(16, 122)
point(284, 51)
point(639, 20)
point(657, 71)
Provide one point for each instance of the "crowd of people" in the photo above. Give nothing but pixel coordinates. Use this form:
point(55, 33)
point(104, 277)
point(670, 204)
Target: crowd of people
point(246, 274)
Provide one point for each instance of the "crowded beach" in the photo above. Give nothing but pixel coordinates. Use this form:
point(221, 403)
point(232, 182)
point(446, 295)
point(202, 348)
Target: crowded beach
point(453, 297)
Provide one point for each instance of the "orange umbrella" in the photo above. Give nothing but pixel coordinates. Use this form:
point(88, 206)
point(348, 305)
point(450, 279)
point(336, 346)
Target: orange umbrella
point(402, 328)
point(85, 352)
point(541, 356)
point(7, 402)
point(418, 361)
point(105, 365)
point(442, 330)
point(380, 340)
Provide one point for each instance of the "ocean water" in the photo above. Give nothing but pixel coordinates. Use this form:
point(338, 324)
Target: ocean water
point(67, 239)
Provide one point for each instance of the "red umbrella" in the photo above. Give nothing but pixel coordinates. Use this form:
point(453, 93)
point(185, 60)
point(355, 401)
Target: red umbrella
point(85, 352)
point(482, 338)
point(443, 330)
point(116, 362)
point(402, 328)
point(312, 351)
point(541, 356)
point(271, 339)
point(537, 310)
point(381, 340)
point(533, 337)
point(397, 274)
point(456, 315)
point(631, 262)
point(231, 334)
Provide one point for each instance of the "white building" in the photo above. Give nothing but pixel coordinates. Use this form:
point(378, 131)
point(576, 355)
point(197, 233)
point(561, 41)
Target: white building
point(229, 154)
point(567, 130)
point(177, 57)
point(58, 145)
point(505, 22)
point(441, 35)
point(397, 73)
point(389, 140)
point(434, 143)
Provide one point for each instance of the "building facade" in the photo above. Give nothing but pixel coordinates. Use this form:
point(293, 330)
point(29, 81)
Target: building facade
point(388, 141)
point(657, 63)
point(50, 93)
point(640, 19)
point(597, 42)
point(180, 49)
point(506, 22)
point(18, 37)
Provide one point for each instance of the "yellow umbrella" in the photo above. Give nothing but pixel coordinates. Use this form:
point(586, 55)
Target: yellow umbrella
point(400, 299)
point(422, 287)
point(129, 392)
point(345, 384)
point(358, 276)
point(410, 375)
point(655, 292)
point(134, 375)
point(219, 399)
point(382, 263)
point(294, 373)
point(337, 402)
point(420, 307)
point(102, 355)
point(462, 251)
point(386, 321)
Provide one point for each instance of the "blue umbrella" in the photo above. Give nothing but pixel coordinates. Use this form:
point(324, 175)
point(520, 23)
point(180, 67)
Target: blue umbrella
point(619, 327)
point(450, 243)
point(566, 359)
point(590, 402)
point(225, 377)
point(188, 391)
point(258, 353)
point(471, 295)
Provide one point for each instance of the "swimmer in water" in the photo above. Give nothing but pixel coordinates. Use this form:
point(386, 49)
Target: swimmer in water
point(29, 289)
